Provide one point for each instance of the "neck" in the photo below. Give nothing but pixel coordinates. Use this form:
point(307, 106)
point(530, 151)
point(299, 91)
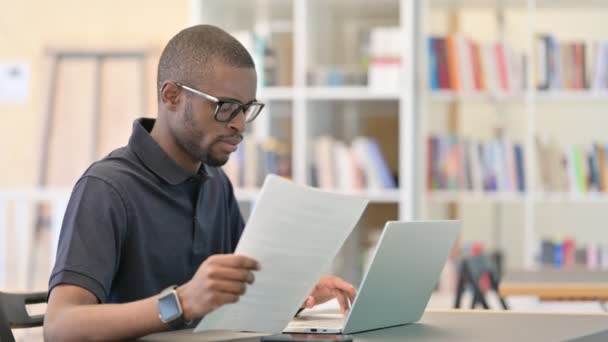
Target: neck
point(167, 142)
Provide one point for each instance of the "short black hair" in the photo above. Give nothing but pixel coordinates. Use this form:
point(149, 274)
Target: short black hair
point(192, 52)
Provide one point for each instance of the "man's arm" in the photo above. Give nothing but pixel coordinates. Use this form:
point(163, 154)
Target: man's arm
point(73, 313)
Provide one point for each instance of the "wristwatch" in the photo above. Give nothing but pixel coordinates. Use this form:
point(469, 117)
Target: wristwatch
point(169, 309)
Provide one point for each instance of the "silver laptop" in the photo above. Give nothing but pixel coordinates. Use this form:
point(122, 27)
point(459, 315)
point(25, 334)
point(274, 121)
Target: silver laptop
point(399, 282)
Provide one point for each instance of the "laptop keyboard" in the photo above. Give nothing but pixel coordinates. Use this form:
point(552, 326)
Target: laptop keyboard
point(319, 323)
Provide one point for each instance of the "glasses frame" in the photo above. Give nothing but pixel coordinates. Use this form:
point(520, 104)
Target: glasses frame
point(219, 102)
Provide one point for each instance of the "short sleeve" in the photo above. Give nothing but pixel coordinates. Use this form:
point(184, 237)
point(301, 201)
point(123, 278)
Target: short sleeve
point(92, 233)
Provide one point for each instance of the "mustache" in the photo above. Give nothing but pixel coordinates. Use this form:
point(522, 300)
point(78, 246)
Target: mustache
point(233, 139)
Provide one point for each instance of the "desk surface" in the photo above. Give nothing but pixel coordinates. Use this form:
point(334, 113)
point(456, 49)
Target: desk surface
point(556, 284)
point(465, 325)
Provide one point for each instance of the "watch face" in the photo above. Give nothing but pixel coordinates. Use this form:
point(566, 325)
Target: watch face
point(168, 307)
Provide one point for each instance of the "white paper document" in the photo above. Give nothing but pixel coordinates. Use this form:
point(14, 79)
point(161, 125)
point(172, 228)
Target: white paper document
point(294, 232)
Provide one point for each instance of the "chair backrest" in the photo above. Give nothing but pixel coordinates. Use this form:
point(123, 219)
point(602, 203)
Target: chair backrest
point(6, 335)
point(14, 315)
point(471, 270)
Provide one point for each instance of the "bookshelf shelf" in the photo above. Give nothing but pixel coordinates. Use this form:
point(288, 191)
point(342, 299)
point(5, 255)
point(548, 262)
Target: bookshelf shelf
point(567, 197)
point(276, 93)
point(497, 197)
point(374, 196)
point(572, 95)
point(350, 93)
point(468, 196)
point(451, 96)
point(541, 96)
point(516, 3)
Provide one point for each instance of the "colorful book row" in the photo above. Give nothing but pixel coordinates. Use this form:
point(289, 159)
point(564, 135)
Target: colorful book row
point(458, 63)
point(566, 254)
point(456, 163)
point(254, 159)
point(572, 168)
point(356, 167)
point(572, 65)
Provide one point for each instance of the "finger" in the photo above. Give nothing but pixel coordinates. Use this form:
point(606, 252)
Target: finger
point(346, 288)
point(235, 261)
point(229, 287)
point(310, 302)
point(341, 297)
point(222, 298)
point(227, 273)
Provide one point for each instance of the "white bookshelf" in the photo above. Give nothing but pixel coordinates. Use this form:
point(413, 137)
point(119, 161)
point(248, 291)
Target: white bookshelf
point(539, 210)
point(306, 19)
point(293, 16)
point(314, 31)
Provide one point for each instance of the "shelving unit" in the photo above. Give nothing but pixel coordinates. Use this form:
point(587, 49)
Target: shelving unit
point(324, 31)
point(314, 109)
point(525, 114)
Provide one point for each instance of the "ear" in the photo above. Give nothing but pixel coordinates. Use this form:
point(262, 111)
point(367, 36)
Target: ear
point(169, 95)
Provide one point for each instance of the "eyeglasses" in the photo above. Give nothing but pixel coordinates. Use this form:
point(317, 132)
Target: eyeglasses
point(227, 109)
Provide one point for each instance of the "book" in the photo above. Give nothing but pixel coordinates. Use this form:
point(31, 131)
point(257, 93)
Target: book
point(256, 158)
point(362, 165)
point(458, 63)
point(570, 65)
point(456, 163)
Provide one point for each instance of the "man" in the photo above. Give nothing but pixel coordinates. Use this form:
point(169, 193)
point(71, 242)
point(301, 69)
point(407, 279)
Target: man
point(159, 215)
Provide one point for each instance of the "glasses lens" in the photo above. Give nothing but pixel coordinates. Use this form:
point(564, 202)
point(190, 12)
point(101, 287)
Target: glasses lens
point(225, 110)
point(252, 112)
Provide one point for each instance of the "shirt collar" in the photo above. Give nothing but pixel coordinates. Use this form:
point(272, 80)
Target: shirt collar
point(156, 159)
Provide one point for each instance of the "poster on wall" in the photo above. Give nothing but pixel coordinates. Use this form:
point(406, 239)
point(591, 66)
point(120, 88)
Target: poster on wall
point(14, 82)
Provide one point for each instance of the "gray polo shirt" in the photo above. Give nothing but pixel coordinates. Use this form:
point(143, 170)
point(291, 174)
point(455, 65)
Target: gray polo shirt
point(137, 223)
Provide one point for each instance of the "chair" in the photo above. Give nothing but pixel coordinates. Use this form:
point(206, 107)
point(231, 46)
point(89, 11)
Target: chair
point(471, 271)
point(14, 315)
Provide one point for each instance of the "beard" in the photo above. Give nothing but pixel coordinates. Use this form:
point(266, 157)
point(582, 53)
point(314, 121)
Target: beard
point(191, 137)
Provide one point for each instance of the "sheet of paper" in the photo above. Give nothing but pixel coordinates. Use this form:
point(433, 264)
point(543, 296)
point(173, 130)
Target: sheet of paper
point(294, 232)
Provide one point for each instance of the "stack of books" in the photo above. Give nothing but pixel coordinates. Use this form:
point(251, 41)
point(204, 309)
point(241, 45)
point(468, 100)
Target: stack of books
point(456, 163)
point(272, 54)
point(385, 44)
point(565, 254)
point(254, 159)
point(572, 168)
point(572, 65)
point(457, 63)
point(360, 166)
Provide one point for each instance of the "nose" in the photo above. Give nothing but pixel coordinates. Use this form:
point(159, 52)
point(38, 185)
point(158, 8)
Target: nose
point(237, 124)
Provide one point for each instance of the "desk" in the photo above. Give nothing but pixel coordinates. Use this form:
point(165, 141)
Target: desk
point(556, 284)
point(466, 325)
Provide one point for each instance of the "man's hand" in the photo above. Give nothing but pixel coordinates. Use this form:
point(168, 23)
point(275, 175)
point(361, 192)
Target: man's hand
point(329, 287)
point(220, 280)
